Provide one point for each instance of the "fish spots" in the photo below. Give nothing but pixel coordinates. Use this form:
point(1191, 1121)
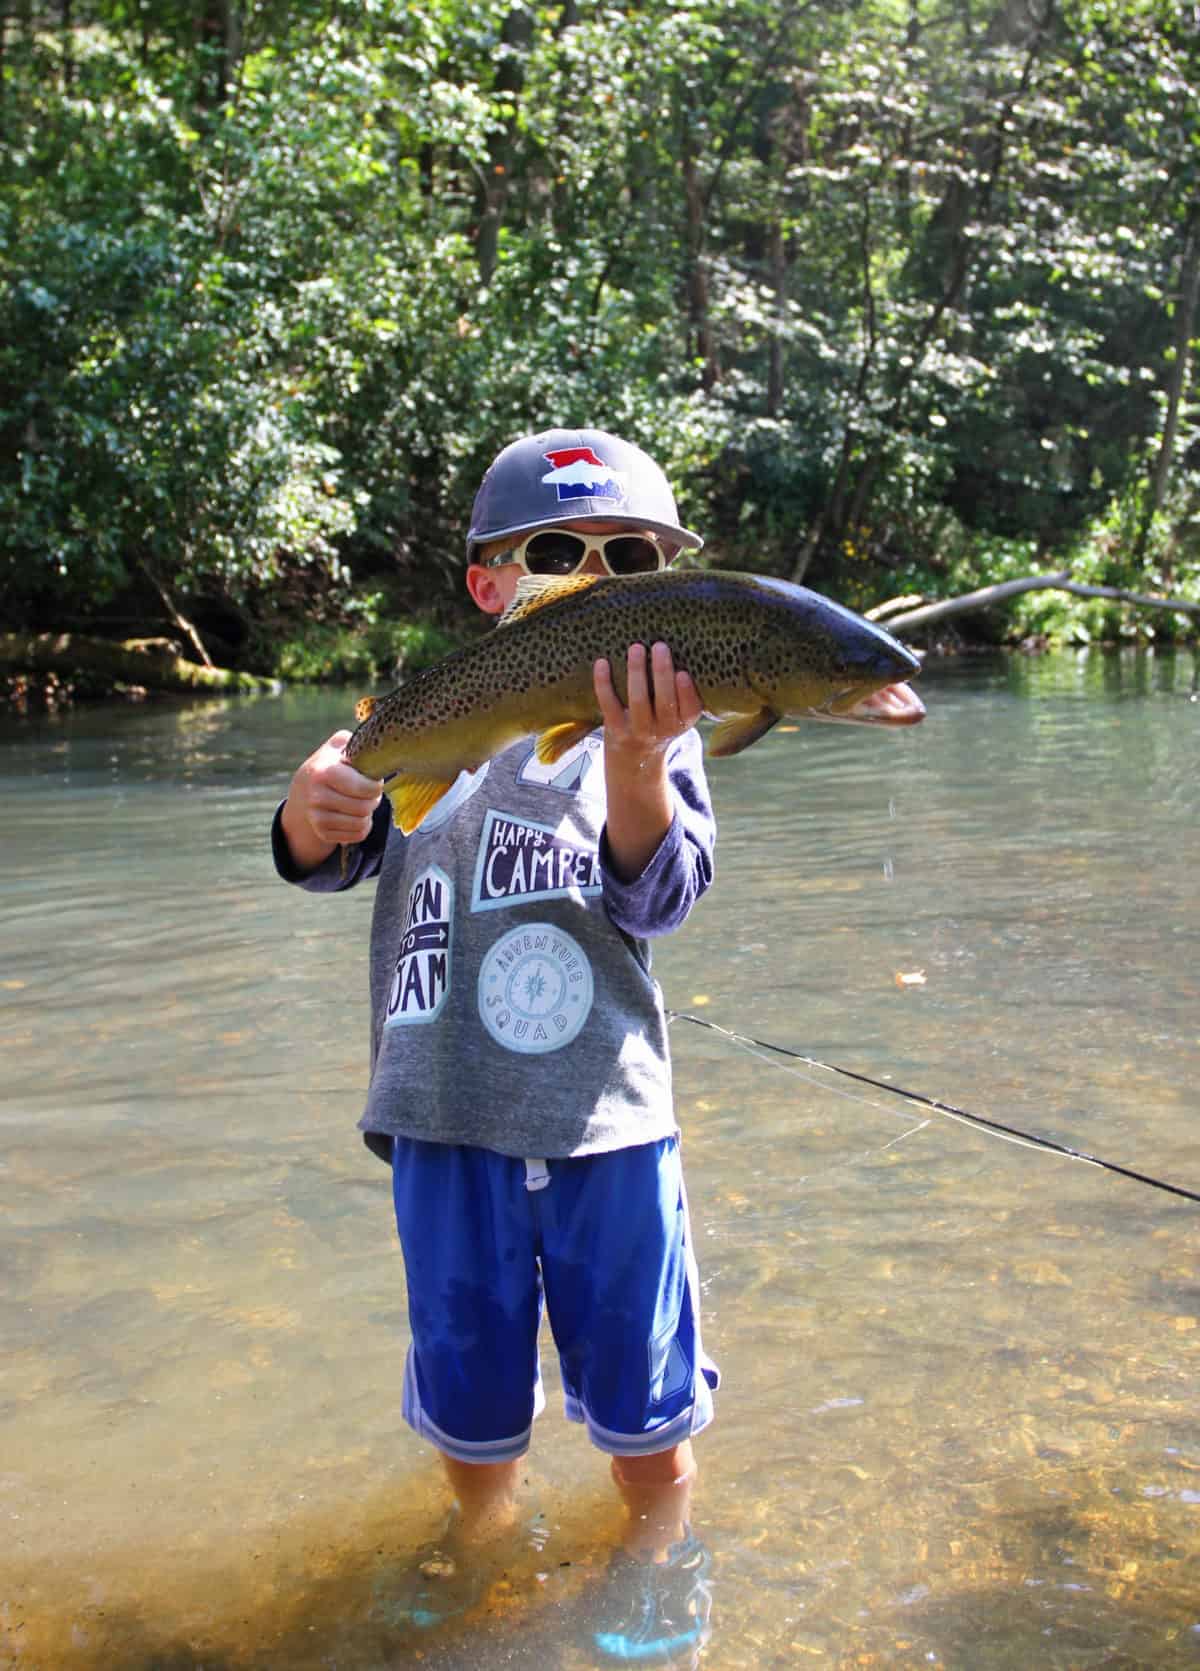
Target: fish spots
point(741, 637)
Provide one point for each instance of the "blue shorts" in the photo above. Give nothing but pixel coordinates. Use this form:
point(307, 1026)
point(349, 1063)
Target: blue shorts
point(604, 1241)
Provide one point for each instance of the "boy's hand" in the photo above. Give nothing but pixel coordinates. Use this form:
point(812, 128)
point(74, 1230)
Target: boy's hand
point(662, 705)
point(328, 803)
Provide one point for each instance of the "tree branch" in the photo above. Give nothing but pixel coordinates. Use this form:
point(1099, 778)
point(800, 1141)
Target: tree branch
point(177, 620)
point(988, 595)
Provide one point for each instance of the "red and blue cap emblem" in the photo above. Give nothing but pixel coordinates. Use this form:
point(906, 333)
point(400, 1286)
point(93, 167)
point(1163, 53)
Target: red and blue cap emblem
point(580, 473)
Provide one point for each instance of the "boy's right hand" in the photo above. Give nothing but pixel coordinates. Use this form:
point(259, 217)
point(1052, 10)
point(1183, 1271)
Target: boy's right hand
point(328, 803)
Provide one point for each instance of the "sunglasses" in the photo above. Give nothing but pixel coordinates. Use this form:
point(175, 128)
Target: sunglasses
point(561, 551)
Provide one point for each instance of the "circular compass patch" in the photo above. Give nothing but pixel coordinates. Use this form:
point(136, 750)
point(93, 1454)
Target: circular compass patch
point(535, 989)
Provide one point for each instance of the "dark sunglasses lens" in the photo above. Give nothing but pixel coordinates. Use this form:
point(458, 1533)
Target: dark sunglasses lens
point(632, 555)
point(554, 553)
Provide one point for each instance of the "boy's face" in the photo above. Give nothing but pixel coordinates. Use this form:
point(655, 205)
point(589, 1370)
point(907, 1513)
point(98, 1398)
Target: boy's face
point(493, 589)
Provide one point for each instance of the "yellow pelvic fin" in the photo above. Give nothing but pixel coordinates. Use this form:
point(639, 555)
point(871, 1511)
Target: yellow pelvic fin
point(534, 591)
point(738, 731)
point(555, 740)
point(365, 707)
point(412, 798)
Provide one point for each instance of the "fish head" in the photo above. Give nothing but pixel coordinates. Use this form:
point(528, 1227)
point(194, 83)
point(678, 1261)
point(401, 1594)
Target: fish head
point(820, 660)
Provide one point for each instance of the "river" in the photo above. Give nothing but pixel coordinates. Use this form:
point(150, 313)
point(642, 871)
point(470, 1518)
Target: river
point(958, 1423)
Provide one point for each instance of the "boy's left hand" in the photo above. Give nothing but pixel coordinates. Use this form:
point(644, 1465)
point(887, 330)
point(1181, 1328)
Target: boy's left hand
point(662, 704)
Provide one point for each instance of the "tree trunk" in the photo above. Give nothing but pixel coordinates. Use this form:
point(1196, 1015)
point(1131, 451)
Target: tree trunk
point(697, 274)
point(67, 30)
point(153, 663)
point(219, 28)
point(1180, 369)
point(515, 39)
point(563, 204)
point(777, 258)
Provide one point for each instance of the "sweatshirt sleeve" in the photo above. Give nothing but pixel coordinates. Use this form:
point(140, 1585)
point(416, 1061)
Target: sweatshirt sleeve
point(363, 860)
point(659, 900)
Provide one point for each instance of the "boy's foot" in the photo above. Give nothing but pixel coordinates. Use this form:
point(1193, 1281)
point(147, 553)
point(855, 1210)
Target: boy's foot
point(437, 1587)
point(448, 1576)
point(659, 1610)
point(444, 1578)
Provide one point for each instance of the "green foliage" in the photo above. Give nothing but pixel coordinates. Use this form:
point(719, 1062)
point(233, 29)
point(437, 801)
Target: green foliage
point(149, 416)
point(1168, 567)
point(325, 653)
point(894, 294)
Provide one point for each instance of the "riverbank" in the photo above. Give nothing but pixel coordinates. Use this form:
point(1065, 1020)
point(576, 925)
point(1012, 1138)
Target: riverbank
point(44, 672)
point(47, 671)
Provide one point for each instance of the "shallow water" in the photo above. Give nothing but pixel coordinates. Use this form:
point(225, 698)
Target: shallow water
point(958, 1423)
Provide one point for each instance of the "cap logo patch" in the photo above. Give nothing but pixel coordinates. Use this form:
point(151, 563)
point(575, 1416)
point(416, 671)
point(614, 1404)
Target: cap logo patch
point(580, 473)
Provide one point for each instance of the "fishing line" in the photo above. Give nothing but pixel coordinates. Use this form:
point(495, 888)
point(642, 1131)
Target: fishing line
point(835, 1090)
point(994, 1128)
point(829, 1090)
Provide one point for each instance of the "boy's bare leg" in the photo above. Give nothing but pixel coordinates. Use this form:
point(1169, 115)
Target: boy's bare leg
point(657, 1491)
point(486, 1493)
point(449, 1572)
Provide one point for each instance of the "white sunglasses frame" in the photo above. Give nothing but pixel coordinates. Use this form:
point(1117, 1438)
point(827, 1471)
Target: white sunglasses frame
point(592, 542)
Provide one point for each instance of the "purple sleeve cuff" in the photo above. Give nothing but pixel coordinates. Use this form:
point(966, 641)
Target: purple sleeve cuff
point(363, 860)
point(659, 900)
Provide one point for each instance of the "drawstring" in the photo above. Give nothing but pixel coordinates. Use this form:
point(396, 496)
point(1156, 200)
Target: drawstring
point(537, 1174)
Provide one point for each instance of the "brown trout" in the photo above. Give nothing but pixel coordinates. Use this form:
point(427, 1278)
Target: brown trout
point(757, 649)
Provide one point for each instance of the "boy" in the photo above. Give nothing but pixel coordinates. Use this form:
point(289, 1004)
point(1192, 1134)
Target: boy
point(520, 1078)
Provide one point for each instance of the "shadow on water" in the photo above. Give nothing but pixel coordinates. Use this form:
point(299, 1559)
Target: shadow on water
point(328, 1591)
point(1039, 1582)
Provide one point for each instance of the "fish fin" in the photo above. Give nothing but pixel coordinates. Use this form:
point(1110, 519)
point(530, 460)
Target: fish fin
point(738, 731)
point(412, 798)
point(365, 707)
point(555, 740)
point(534, 591)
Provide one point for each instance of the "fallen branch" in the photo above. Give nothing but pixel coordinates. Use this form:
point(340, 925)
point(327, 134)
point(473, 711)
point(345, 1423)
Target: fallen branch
point(1143, 600)
point(153, 663)
point(977, 600)
point(894, 606)
point(987, 595)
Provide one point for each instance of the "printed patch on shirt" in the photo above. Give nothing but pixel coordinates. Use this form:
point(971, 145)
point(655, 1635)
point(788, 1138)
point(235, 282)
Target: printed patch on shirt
point(421, 983)
point(519, 861)
point(576, 772)
point(535, 989)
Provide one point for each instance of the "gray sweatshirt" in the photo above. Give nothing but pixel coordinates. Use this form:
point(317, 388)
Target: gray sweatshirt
point(512, 1004)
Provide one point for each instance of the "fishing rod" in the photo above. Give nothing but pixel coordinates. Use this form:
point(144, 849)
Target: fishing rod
point(996, 1128)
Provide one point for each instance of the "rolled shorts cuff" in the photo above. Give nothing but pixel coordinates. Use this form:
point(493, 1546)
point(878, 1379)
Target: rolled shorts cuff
point(463, 1450)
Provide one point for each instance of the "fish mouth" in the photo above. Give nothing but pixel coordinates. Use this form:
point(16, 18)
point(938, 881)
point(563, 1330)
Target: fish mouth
point(896, 704)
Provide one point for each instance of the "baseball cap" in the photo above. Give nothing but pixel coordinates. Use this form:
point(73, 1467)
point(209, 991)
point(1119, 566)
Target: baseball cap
point(573, 475)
